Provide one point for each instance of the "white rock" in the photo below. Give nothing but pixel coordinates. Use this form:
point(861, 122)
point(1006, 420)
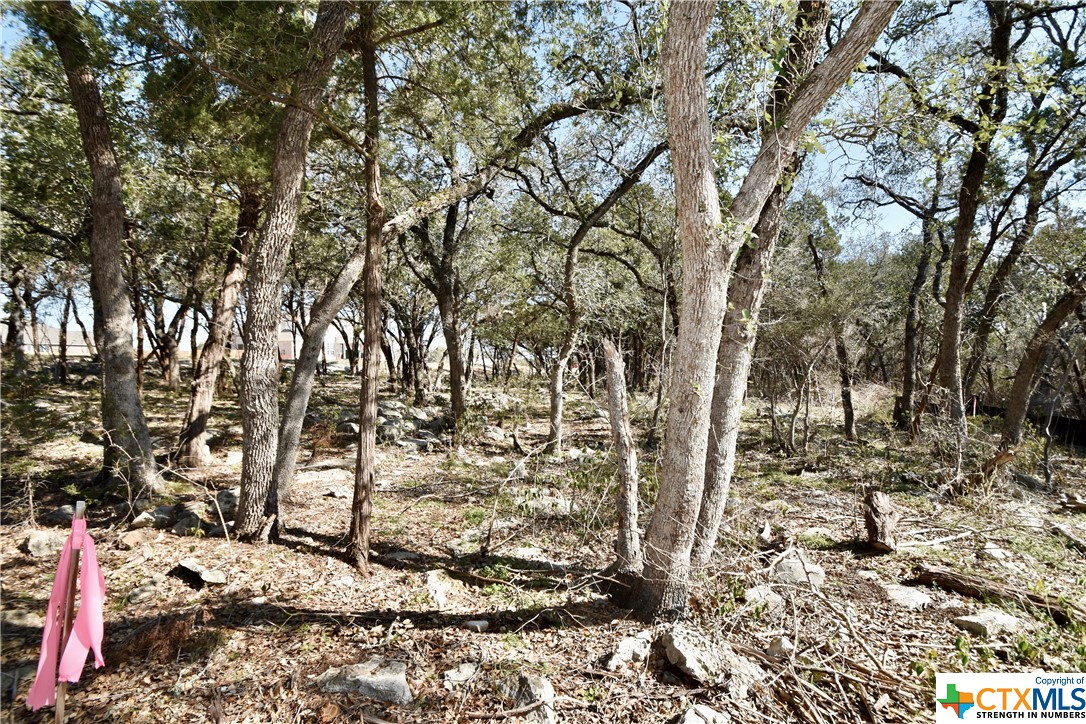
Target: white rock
point(795, 569)
point(376, 678)
point(462, 674)
point(989, 622)
point(701, 714)
point(907, 597)
point(992, 552)
point(43, 543)
point(207, 575)
point(478, 626)
point(630, 651)
point(765, 596)
point(525, 690)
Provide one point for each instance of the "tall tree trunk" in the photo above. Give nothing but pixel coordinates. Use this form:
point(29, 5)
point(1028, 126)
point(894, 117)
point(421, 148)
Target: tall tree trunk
point(193, 450)
point(710, 246)
point(910, 353)
point(358, 544)
point(745, 295)
point(628, 541)
point(1022, 387)
point(992, 107)
point(260, 361)
point(92, 350)
point(128, 451)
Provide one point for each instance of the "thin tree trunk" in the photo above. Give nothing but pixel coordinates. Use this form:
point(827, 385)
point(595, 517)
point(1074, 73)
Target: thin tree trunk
point(16, 340)
point(62, 363)
point(193, 450)
point(128, 452)
point(92, 350)
point(263, 298)
point(910, 356)
point(358, 544)
point(844, 366)
point(628, 542)
point(1022, 387)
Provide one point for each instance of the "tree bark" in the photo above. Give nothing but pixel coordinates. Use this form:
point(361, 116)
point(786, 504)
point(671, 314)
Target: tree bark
point(881, 519)
point(15, 344)
point(992, 108)
point(128, 452)
point(260, 361)
point(709, 249)
point(1022, 387)
point(628, 542)
point(358, 544)
point(193, 450)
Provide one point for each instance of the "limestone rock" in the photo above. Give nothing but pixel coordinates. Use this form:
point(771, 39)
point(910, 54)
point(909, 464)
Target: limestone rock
point(989, 622)
point(136, 538)
point(796, 570)
point(347, 428)
point(630, 651)
point(20, 618)
point(42, 543)
point(907, 597)
point(478, 626)
point(192, 569)
point(376, 678)
point(462, 674)
point(439, 586)
point(525, 690)
point(701, 714)
point(707, 663)
point(765, 596)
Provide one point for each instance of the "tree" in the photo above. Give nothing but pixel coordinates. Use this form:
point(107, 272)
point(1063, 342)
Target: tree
point(710, 243)
point(128, 451)
point(263, 288)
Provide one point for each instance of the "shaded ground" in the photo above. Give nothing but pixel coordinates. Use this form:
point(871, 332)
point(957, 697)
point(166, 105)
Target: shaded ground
point(249, 650)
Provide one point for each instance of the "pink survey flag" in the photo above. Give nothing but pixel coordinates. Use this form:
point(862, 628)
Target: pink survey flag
point(87, 628)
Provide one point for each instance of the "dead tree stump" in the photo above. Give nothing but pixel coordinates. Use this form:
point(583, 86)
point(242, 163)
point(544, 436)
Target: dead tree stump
point(881, 519)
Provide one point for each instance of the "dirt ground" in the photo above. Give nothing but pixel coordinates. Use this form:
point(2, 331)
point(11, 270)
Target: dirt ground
point(250, 650)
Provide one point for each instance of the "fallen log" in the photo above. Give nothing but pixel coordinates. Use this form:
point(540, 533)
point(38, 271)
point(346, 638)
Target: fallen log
point(983, 589)
point(1069, 535)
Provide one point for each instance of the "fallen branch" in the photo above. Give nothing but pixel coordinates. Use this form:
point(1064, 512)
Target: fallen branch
point(983, 589)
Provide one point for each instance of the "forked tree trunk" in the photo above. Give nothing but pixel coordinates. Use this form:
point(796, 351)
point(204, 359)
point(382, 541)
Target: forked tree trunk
point(194, 450)
point(260, 361)
point(62, 361)
point(628, 542)
point(710, 246)
point(1022, 387)
point(128, 452)
point(745, 295)
point(358, 543)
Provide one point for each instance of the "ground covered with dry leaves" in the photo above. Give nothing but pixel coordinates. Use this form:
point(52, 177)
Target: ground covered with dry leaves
point(477, 530)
